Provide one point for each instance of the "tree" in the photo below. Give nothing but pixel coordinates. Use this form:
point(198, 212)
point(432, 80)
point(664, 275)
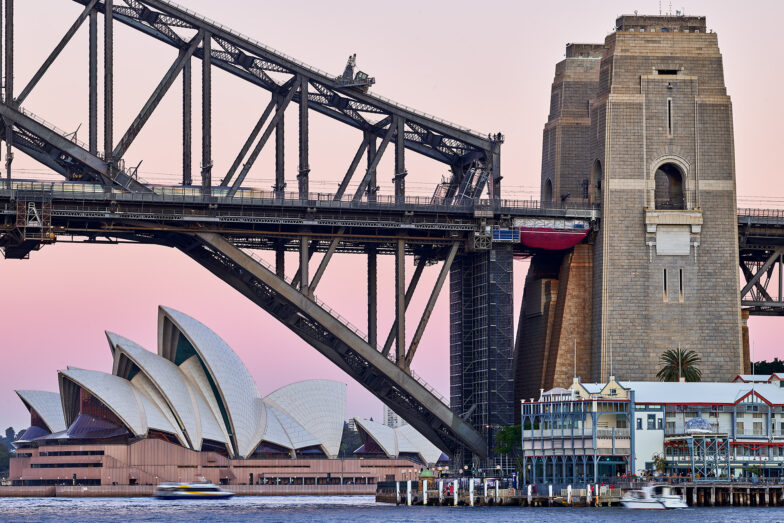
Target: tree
point(659, 462)
point(349, 442)
point(9, 434)
point(3, 460)
point(677, 363)
point(508, 440)
point(768, 367)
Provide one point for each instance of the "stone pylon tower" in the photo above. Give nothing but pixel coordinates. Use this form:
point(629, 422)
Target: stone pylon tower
point(642, 127)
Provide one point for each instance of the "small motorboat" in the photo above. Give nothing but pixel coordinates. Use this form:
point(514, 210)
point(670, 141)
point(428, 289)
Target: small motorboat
point(653, 497)
point(191, 491)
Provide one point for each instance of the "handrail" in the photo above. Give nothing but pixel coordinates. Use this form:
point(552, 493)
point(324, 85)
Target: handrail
point(251, 196)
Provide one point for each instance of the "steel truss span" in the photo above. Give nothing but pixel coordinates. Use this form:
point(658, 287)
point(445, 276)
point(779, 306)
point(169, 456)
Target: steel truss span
point(213, 217)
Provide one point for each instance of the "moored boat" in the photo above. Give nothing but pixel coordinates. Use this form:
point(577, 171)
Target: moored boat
point(653, 497)
point(191, 491)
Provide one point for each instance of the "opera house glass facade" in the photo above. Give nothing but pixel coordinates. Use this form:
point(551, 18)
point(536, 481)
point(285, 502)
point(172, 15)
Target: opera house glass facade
point(193, 411)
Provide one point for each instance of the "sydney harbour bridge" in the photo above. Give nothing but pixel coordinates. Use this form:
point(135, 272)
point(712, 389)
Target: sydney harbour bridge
point(466, 226)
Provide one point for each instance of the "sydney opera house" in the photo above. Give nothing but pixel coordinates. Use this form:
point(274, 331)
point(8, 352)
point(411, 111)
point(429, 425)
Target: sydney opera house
point(193, 411)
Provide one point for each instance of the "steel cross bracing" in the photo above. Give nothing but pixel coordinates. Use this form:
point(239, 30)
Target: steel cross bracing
point(473, 157)
point(104, 201)
point(761, 255)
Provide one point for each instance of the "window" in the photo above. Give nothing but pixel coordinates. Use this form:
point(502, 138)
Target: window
point(665, 285)
point(584, 188)
point(752, 408)
point(739, 428)
point(669, 116)
point(651, 421)
point(680, 284)
point(668, 191)
point(717, 408)
point(659, 423)
point(668, 72)
point(758, 428)
point(670, 427)
point(759, 416)
point(639, 423)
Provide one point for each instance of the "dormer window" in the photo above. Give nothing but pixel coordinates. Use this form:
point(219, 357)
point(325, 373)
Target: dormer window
point(613, 392)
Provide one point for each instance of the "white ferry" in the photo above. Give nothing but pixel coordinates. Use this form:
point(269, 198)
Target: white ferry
point(191, 491)
point(653, 497)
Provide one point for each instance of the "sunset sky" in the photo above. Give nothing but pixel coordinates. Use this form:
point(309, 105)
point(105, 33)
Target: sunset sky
point(485, 65)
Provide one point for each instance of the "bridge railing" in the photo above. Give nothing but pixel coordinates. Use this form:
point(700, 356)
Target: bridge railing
point(253, 196)
point(774, 215)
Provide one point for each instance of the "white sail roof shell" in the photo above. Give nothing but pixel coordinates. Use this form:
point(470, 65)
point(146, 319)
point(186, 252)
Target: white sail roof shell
point(418, 443)
point(159, 415)
point(154, 416)
point(274, 432)
point(235, 385)
point(169, 380)
point(209, 411)
point(384, 436)
point(394, 441)
point(318, 406)
point(47, 404)
point(116, 393)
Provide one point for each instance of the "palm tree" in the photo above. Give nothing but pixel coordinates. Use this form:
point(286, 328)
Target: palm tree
point(678, 363)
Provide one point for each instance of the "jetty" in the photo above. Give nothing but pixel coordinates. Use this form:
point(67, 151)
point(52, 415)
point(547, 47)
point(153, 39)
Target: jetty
point(483, 492)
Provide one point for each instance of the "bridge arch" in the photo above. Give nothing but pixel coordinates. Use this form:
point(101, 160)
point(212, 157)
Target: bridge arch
point(669, 184)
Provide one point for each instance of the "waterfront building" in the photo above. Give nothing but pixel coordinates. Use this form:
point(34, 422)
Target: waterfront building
point(190, 411)
point(596, 431)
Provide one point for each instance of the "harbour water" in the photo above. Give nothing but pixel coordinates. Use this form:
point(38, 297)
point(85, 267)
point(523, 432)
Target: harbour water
point(343, 509)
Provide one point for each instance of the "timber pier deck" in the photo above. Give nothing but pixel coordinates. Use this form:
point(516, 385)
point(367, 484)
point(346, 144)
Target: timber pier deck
point(696, 494)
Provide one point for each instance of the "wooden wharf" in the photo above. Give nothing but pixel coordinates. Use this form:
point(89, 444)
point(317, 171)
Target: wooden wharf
point(696, 494)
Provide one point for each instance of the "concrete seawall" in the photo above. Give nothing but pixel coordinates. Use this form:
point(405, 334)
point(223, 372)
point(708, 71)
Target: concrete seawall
point(127, 491)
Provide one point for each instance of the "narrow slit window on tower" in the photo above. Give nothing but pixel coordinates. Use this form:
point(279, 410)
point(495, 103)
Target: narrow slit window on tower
point(669, 116)
point(665, 285)
point(680, 284)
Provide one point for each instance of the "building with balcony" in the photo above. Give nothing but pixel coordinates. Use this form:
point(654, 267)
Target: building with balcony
point(593, 431)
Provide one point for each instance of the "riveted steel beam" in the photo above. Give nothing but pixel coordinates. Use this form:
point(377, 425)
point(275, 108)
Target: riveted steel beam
point(187, 125)
point(363, 185)
point(56, 52)
point(335, 340)
point(156, 97)
point(206, 115)
point(246, 146)
point(431, 302)
point(353, 167)
point(409, 294)
point(264, 137)
point(304, 165)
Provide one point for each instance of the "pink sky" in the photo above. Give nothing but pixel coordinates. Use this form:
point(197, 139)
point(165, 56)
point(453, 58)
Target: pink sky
point(487, 66)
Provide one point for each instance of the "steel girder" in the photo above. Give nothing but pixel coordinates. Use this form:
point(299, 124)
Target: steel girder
point(247, 59)
point(761, 257)
point(65, 156)
point(335, 340)
point(760, 268)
